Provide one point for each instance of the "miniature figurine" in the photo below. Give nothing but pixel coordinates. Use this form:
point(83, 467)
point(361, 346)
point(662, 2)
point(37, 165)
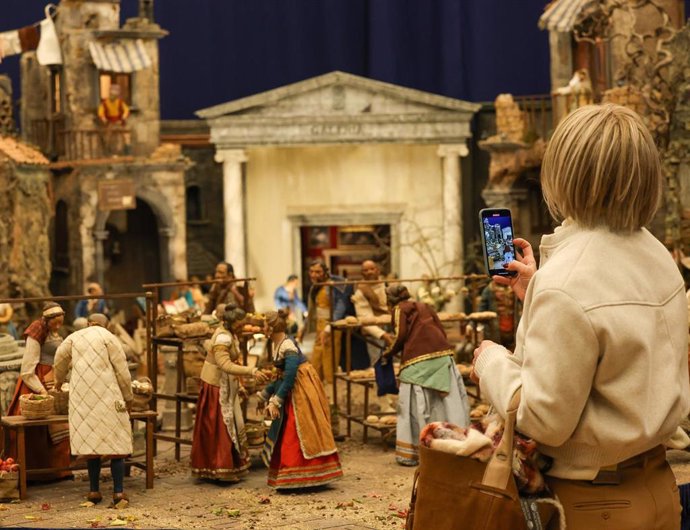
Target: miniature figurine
point(300, 450)
point(431, 293)
point(370, 301)
point(580, 86)
point(318, 316)
point(431, 389)
point(219, 447)
point(501, 300)
point(227, 292)
point(113, 110)
point(47, 446)
point(287, 297)
point(84, 308)
point(100, 397)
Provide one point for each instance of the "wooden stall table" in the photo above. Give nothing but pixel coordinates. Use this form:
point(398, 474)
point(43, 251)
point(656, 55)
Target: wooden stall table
point(353, 326)
point(153, 341)
point(181, 396)
point(19, 424)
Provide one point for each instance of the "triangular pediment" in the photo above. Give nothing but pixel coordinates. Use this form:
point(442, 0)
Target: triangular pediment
point(339, 94)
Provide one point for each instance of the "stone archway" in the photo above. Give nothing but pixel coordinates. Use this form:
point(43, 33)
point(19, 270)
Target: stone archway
point(165, 227)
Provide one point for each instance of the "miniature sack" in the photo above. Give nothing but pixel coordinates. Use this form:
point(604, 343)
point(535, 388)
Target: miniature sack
point(9, 486)
point(164, 325)
point(195, 329)
point(385, 378)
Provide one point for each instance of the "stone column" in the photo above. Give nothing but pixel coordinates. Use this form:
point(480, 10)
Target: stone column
point(100, 236)
point(452, 206)
point(233, 208)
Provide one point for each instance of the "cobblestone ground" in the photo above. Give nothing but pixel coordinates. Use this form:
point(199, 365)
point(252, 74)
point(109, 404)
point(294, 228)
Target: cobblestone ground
point(373, 494)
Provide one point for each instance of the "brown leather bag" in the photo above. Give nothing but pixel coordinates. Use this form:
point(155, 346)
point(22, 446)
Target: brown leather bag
point(452, 492)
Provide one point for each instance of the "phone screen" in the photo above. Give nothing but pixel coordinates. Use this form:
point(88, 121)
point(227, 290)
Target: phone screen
point(497, 237)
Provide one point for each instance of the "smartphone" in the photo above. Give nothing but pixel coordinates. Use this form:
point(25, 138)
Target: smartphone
point(497, 240)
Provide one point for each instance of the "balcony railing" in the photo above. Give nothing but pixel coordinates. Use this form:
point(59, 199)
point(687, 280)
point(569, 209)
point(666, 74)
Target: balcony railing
point(43, 133)
point(538, 115)
point(85, 144)
point(56, 141)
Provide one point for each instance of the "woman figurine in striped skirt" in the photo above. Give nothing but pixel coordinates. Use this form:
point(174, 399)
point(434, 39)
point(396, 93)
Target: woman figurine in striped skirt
point(300, 450)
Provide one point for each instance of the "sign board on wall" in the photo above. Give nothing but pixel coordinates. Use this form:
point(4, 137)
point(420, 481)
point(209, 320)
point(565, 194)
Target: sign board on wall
point(116, 194)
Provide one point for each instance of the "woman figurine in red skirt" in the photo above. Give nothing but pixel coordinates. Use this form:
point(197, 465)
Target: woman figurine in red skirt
point(47, 446)
point(300, 450)
point(219, 446)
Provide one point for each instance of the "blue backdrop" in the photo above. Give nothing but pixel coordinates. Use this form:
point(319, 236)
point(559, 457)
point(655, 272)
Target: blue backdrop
point(219, 50)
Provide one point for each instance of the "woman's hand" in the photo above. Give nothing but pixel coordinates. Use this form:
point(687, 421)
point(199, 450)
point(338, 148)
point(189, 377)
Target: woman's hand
point(272, 411)
point(477, 352)
point(259, 376)
point(525, 265)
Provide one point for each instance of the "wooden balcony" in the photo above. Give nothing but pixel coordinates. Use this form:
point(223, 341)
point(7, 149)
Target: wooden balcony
point(43, 133)
point(86, 144)
point(57, 141)
point(538, 115)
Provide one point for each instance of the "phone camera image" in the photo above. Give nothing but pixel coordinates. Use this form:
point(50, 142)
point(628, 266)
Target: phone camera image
point(498, 241)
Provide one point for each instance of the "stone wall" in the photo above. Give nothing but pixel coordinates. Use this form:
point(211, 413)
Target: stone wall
point(205, 236)
point(24, 219)
point(159, 183)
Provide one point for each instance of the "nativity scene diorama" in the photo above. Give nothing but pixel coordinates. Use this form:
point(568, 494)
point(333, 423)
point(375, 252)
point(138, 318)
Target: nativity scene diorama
point(286, 313)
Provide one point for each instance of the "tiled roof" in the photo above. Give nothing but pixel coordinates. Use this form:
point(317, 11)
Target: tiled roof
point(20, 152)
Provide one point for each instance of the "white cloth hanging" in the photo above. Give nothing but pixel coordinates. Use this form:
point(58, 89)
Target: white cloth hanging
point(48, 51)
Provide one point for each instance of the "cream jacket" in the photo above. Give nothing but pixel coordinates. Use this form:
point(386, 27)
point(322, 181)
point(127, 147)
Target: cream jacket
point(601, 351)
point(100, 387)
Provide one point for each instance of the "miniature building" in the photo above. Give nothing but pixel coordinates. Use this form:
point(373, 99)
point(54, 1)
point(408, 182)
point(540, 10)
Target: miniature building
point(344, 168)
point(119, 195)
point(25, 213)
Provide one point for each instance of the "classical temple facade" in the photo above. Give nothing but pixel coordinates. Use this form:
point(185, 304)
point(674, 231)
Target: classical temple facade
point(343, 168)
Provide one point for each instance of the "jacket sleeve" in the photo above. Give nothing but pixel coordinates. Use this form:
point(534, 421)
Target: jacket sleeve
point(363, 310)
point(557, 358)
point(63, 358)
point(269, 390)
point(221, 351)
point(401, 330)
point(32, 355)
point(340, 301)
point(289, 376)
point(118, 360)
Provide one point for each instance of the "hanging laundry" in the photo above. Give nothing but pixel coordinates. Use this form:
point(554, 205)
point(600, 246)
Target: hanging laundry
point(9, 40)
point(48, 51)
point(28, 38)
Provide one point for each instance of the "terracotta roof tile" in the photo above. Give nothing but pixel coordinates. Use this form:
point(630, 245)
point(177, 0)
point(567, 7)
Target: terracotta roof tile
point(20, 152)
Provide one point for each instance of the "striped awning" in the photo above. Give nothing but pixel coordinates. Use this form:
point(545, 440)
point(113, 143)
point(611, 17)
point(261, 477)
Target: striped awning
point(123, 56)
point(562, 15)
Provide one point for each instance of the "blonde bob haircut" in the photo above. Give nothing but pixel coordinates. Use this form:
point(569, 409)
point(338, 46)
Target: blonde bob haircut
point(602, 169)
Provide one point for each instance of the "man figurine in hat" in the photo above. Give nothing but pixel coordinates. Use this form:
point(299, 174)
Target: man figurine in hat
point(99, 400)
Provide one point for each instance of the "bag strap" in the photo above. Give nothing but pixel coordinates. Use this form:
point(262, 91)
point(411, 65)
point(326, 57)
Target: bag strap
point(500, 467)
point(409, 520)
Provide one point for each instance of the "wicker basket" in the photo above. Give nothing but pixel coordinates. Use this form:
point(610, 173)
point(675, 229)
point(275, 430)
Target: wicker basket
point(141, 397)
point(256, 434)
point(61, 403)
point(193, 385)
point(34, 409)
